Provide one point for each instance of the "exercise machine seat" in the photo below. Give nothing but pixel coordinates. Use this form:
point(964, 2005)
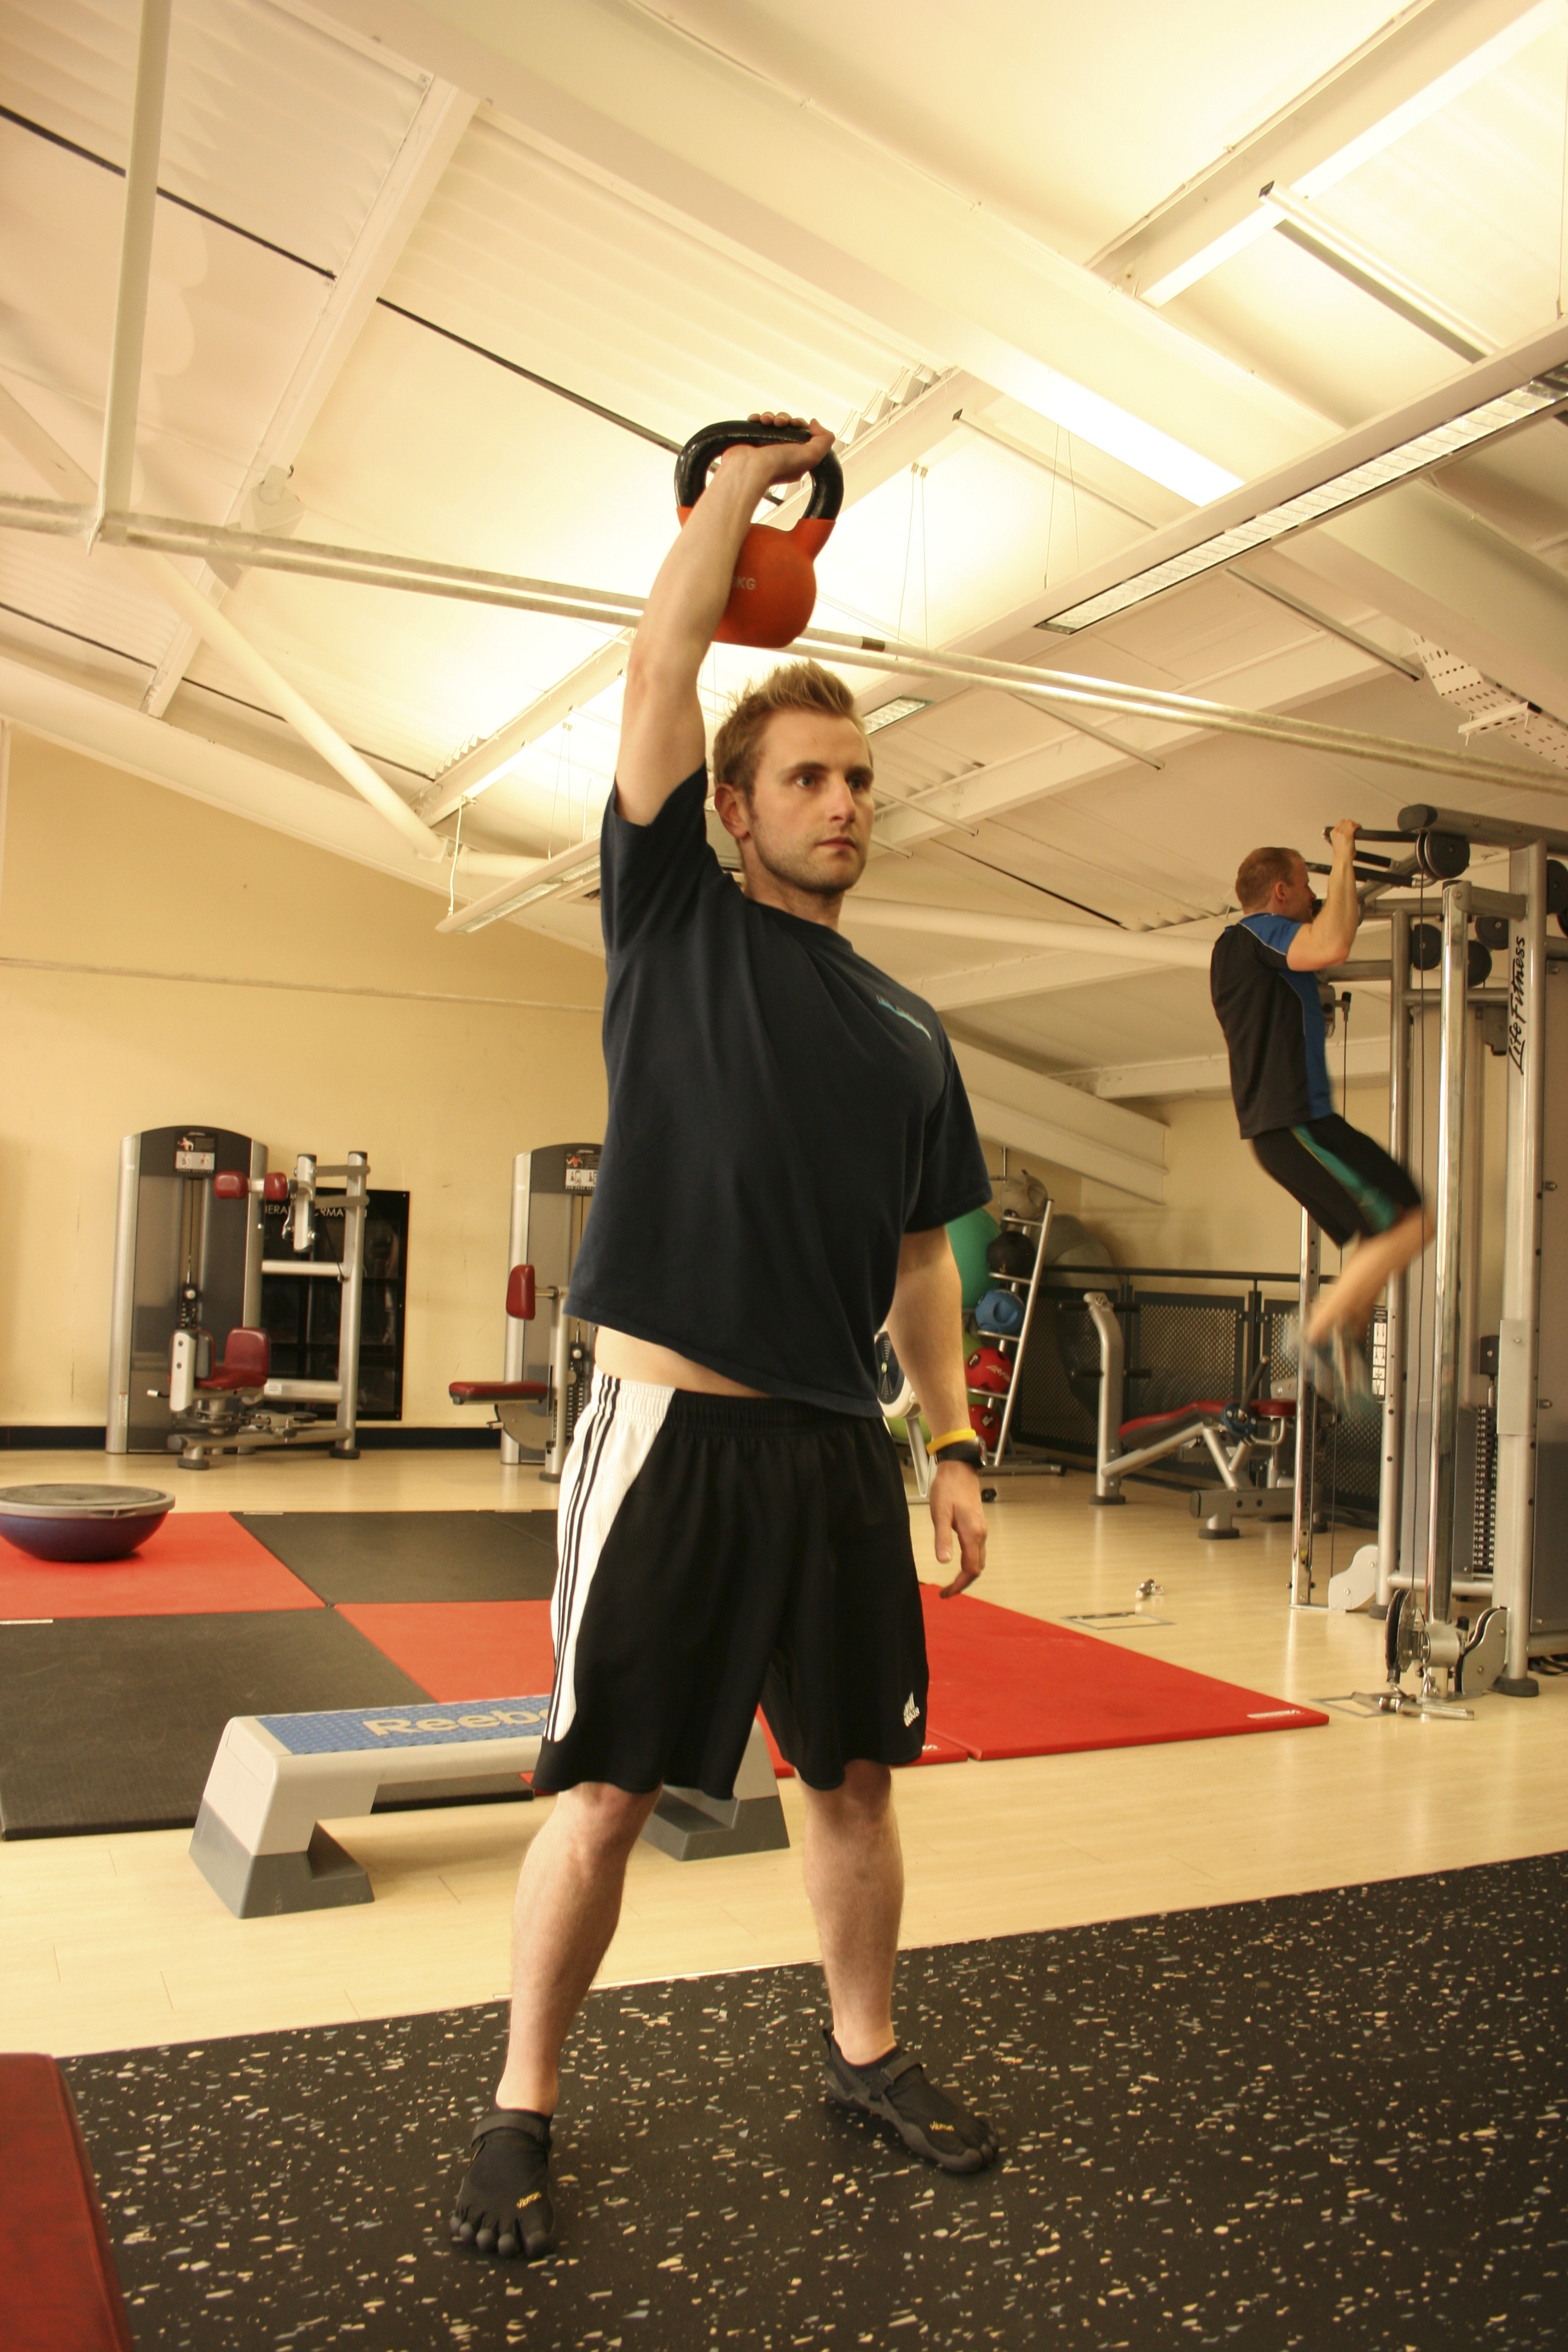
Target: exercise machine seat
point(520, 1294)
point(493, 1391)
point(1152, 1426)
point(59, 2286)
point(247, 1363)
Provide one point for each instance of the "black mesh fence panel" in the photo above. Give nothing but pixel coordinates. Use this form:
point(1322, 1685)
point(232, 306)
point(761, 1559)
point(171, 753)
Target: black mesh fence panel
point(1182, 1347)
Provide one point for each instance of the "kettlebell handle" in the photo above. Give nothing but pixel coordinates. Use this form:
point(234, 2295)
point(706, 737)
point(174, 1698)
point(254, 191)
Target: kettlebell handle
point(700, 453)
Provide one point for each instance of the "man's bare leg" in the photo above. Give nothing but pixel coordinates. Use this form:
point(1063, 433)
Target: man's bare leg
point(855, 1878)
point(855, 1882)
point(568, 1902)
point(1373, 1264)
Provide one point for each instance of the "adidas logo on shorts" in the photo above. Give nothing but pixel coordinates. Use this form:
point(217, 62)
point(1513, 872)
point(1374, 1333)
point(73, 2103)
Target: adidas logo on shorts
point(910, 1709)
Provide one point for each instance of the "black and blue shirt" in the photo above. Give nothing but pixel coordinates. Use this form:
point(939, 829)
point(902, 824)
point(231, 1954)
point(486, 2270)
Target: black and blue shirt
point(780, 1115)
point(1273, 1024)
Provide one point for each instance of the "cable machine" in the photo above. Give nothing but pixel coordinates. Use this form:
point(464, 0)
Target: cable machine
point(1473, 1497)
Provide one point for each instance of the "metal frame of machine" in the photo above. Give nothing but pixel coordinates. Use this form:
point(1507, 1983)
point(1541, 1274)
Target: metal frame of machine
point(1522, 1614)
point(196, 1412)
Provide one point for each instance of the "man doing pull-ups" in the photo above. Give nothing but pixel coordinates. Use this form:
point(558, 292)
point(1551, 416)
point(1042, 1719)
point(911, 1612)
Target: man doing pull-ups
point(1263, 980)
point(788, 1136)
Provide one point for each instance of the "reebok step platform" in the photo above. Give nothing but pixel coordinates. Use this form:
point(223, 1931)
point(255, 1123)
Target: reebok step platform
point(258, 1839)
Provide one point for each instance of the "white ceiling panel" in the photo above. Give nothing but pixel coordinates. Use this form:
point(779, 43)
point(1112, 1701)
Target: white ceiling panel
point(268, 123)
point(1077, 120)
point(562, 276)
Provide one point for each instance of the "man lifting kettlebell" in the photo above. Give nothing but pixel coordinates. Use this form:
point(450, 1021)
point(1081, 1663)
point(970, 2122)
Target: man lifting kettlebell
point(1263, 976)
point(788, 1138)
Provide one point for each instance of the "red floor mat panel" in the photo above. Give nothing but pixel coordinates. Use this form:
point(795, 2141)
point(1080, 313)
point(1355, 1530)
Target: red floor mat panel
point(462, 1649)
point(199, 1564)
point(1005, 1684)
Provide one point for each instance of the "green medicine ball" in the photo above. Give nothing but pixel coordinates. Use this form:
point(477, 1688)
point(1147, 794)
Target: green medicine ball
point(971, 1237)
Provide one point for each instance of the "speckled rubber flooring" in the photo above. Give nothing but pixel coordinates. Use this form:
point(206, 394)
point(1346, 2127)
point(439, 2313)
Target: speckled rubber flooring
point(1322, 2121)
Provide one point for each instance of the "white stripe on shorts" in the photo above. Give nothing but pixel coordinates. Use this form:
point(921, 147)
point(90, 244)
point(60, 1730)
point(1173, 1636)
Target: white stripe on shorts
point(609, 1446)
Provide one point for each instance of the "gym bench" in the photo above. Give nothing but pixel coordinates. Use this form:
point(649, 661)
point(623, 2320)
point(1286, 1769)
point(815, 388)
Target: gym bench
point(1235, 1432)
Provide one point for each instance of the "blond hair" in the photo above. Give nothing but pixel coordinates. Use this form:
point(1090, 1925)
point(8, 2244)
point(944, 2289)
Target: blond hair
point(793, 686)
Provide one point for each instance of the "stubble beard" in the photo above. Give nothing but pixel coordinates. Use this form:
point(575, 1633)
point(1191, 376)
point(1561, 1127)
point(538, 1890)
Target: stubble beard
point(800, 874)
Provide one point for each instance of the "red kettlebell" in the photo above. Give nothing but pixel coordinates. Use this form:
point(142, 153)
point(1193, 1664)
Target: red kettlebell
point(775, 589)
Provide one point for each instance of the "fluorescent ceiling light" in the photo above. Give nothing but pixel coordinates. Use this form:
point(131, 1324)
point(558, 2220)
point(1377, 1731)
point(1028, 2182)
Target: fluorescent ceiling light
point(1122, 435)
point(1364, 478)
point(1375, 141)
point(886, 713)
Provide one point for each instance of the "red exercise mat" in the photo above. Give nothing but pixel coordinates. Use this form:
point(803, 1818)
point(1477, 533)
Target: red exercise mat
point(472, 1649)
point(461, 1649)
point(198, 1564)
point(59, 2290)
point(1006, 1685)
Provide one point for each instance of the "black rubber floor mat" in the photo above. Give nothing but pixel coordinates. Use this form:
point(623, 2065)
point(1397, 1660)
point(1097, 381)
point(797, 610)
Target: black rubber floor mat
point(1326, 2120)
point(111, 1723)
point(413, 1555)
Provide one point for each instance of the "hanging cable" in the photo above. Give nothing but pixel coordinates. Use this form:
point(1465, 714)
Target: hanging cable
point(1419, 1269)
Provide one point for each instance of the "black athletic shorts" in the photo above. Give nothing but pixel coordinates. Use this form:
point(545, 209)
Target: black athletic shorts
point(1345, 1181)
point(719, 1551)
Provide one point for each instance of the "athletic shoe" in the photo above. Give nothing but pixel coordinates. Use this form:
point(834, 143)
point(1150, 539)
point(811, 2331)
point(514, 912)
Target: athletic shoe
point(1337, 1368)
point(503, 2206)
point(895, 2090)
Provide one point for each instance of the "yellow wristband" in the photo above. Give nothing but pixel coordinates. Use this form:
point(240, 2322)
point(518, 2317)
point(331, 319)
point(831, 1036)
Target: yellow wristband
point(951, 1437)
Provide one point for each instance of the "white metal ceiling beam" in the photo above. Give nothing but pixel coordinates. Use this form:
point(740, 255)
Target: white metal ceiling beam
point(29, 437)
point(629, 100)
point(1143, 948)
point(1371, 462)
point(1428, 563)
point(440, 121)
point(873, 458)
point(1299, 674)
point(1402, 58)
point(207, 770)
point(1050, 974)
point(1072, 1129)
point(1209, 1073)
point(135, 260)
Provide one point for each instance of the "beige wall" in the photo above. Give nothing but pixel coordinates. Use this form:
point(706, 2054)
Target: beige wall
point(103, 870)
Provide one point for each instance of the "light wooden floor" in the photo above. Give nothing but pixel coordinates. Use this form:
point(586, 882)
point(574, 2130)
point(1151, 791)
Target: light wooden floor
point(107, 1942)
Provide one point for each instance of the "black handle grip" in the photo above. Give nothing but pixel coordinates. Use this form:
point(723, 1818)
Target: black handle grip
point(692, 465)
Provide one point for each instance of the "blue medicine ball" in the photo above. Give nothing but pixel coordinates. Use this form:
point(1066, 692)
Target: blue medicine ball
point(999, 1310)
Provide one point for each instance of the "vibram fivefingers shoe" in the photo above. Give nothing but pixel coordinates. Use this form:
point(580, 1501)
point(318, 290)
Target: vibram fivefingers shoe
point(927, 2120)
point(503, 2206)
point(1337, 1368)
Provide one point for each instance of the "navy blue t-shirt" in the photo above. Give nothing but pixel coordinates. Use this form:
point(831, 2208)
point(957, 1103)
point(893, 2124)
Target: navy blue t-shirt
point(780, 1115)
point(1273, 1024)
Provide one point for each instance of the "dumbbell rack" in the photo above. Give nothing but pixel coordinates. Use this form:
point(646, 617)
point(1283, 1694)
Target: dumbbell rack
point(1016, 1343)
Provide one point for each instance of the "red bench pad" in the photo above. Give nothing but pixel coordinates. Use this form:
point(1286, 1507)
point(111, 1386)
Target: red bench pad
point(493, 1391)
point(59, 2287)
point(1158, 1424)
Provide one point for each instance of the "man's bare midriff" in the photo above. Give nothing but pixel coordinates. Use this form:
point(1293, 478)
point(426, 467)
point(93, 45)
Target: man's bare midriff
point(637, 1359)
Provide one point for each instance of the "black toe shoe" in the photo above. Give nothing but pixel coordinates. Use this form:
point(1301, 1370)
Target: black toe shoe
point(503, 2206)
point(895, 2090)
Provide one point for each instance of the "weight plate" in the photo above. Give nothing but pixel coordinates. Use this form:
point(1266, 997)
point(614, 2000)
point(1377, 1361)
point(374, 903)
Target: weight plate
point(1426, 946)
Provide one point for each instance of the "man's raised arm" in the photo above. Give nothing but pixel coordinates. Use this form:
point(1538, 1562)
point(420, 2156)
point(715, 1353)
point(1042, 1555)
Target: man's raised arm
point(1329, 937)
point(662, 738)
